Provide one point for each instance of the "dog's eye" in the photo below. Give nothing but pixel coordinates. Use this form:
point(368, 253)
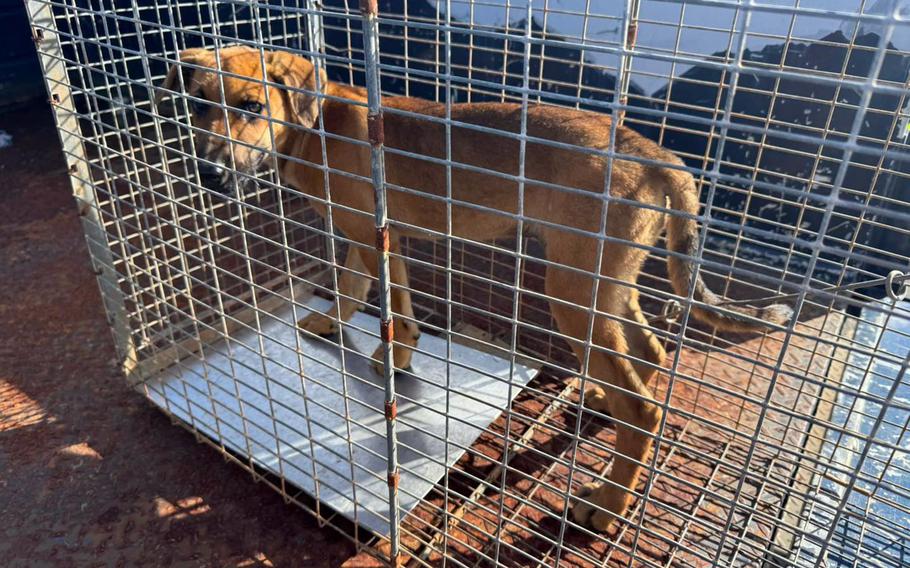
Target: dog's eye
point(253, 107)
point(199, 107)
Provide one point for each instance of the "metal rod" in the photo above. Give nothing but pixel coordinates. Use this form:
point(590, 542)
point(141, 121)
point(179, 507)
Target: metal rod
point(370, 13)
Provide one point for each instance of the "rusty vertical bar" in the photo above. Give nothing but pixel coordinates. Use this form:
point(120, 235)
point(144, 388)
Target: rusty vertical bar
point(370, 12)
point(623, 79)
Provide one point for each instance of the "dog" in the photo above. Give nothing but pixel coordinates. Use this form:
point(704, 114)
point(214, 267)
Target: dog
point(485, 206)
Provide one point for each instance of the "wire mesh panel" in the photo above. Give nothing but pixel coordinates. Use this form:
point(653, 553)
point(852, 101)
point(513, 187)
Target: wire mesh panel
point(633, 275)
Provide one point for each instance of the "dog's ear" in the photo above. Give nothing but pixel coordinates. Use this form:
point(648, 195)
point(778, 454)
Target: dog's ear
point(300, 75)
point(195, 56)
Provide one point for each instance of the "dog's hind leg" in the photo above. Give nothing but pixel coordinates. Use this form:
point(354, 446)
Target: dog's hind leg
point(626, 396)
point(353, 288)
point(628, 399)
point(643, 344)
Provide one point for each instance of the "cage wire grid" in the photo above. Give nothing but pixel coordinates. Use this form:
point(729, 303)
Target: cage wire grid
point(787, 448)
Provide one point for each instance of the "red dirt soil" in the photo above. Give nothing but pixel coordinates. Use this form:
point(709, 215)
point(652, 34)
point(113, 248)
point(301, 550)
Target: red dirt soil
point(91, 474)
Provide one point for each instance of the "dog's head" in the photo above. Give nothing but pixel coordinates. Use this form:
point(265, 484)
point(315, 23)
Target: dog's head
point(233, 124)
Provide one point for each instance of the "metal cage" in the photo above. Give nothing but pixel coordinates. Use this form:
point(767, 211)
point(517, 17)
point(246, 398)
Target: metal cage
point(784, 448)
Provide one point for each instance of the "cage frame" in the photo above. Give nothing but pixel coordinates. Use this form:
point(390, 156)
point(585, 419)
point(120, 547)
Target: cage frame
point(52, 58)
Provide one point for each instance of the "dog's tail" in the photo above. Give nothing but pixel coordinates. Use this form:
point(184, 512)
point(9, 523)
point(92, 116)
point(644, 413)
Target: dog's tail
point(682, 238)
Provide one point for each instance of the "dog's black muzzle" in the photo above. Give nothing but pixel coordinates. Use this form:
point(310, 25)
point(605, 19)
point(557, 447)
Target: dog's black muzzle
point(216, 178)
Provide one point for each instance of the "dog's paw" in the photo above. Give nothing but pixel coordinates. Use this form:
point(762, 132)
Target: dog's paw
point(596, 399)
point(319, 324)
point(584, 511)
point(378, 365)
point(402, 360)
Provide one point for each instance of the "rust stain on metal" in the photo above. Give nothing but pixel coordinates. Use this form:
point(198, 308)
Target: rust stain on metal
point(391, 410)
point(394, 480)
point(632, 34)
point(382, 239)
point(375, 129)
point(369, 7)
point(386, 331)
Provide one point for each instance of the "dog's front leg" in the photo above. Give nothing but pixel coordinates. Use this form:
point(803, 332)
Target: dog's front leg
point(353, 288)
point(405, 326)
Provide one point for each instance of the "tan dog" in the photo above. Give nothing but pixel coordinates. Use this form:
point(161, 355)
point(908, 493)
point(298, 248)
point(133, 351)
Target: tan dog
point(485, 208)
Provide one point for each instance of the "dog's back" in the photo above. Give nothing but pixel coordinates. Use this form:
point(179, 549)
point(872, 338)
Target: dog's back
point(564, 149)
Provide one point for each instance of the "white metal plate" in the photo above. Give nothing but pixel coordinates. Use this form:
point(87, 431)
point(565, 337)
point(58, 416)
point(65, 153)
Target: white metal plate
point(225, 394)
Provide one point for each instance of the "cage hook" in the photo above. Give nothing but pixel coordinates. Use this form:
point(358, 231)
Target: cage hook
point(897, 286)
point(671, 311)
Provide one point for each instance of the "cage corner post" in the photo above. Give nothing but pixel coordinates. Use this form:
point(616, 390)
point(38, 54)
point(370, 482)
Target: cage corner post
point(369, 11)
point(60, 97)
point(628, 37)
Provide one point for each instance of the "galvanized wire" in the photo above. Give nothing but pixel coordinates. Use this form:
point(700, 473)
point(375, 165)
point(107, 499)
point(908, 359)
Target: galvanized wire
point(754, 430)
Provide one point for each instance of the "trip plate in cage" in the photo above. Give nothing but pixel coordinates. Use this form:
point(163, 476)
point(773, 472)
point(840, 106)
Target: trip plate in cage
point(255, 406)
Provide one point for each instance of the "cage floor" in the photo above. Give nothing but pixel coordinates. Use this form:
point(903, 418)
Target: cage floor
point(325, 431)
point(693, 496)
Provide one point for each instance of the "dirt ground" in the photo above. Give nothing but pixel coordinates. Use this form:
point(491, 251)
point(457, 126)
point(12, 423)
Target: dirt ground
point(90, 474)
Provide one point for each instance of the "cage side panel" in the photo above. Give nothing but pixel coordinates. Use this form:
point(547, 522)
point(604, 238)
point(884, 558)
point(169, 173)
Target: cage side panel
point(60, 96)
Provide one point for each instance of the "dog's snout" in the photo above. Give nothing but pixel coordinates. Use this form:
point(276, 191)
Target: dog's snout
point(213, 176)
point(210, 171)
